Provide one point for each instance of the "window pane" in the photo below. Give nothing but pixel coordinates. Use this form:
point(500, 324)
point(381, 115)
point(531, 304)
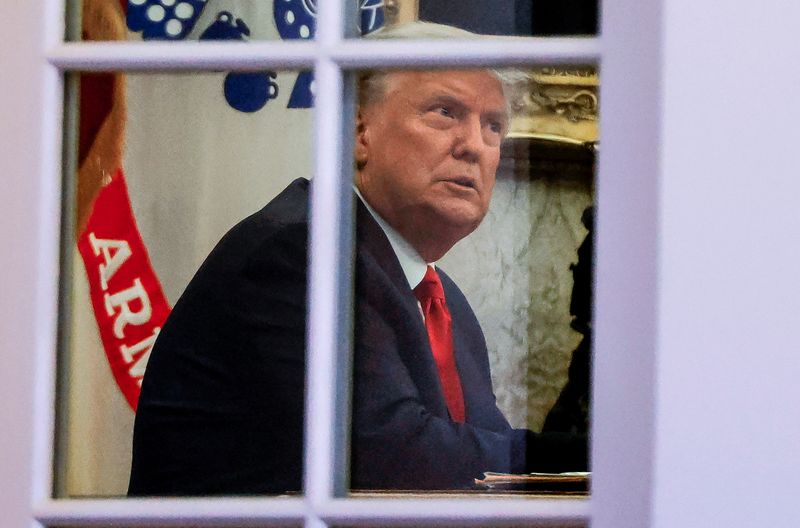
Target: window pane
point(175, 20)
point(244, 20)
point(501, 17)
point(481, 362)
point(205, 20)
point(164, 166)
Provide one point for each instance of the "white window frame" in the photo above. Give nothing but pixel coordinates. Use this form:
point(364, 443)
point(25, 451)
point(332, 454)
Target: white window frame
point(625, 299)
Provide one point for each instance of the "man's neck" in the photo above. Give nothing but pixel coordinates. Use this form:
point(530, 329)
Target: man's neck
point(413, 265)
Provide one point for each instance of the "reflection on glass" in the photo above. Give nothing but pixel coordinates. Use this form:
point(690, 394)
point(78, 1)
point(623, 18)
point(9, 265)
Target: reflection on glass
point(479, 362)
point(166, 165)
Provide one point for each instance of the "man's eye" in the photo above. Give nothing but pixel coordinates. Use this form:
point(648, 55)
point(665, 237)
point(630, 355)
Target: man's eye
point(444, 111)
point(497, 127)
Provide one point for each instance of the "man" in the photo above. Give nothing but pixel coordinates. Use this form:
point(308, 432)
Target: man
point(221, 409)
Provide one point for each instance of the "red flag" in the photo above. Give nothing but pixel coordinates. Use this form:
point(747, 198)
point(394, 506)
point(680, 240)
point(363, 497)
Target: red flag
point(127, 298)
point(128, 301)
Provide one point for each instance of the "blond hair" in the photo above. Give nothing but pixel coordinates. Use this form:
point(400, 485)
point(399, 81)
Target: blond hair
point(372, 83)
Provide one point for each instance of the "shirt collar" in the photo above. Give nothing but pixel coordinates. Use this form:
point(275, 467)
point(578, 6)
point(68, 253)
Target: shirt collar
point(414, 266)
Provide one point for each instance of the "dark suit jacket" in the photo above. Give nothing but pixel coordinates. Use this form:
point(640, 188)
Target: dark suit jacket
point(221, 409)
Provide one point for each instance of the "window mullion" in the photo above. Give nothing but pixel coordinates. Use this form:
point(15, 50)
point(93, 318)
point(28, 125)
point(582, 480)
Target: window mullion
point(349, 54)
point(457, 510)
point(160, 512)
point(50, 121)
point(330, 271)
point(327, 341)
point(497, 51)
point(182, 56)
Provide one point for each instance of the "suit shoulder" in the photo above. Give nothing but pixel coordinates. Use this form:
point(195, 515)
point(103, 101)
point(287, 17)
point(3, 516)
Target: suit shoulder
point(268, 244)
point(284, 220)
point(288, 208)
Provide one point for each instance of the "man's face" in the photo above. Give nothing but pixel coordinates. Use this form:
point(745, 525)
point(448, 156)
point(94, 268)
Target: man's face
point(428, 151)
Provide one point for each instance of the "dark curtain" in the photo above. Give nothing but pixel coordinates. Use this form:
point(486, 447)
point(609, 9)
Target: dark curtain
point(515, 17)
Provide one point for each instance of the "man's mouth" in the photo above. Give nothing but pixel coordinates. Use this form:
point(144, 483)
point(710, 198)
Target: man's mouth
point(462, 181)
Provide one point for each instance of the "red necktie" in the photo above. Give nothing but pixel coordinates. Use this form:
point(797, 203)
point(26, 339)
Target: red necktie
point(430, 294)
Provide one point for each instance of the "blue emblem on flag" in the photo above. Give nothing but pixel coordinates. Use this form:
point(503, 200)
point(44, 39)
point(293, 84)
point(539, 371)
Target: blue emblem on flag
point(163, 19)
point(244, 91)
point(296, 19)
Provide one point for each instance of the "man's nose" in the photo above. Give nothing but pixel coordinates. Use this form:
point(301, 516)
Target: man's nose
point(468, 142)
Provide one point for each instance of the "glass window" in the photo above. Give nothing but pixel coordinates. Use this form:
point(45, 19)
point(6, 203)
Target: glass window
point(176, 159)
point(204, 20)
point(494, 215)
point(164, 166)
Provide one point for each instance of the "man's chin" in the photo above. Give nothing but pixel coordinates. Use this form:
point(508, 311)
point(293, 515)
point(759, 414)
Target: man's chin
point(436, 227)
point(462, 220)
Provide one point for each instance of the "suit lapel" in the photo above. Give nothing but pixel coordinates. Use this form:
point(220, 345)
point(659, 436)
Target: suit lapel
point(462, 349)
point(381, 281)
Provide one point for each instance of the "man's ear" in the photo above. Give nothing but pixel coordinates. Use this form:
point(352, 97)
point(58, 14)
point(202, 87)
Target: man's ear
point(362, 143)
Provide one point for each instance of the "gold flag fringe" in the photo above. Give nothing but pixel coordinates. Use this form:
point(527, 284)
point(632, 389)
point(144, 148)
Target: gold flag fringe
point(102, 20)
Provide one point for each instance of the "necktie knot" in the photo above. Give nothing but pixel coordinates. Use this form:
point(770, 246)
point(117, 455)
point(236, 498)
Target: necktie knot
point(430, 287)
